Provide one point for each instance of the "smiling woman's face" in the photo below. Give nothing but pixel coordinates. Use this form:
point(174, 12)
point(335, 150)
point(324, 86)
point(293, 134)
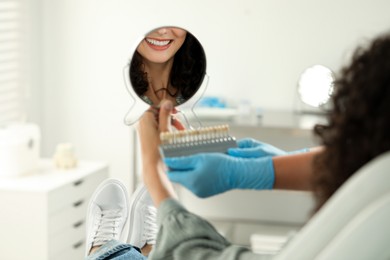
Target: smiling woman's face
point(161, 45)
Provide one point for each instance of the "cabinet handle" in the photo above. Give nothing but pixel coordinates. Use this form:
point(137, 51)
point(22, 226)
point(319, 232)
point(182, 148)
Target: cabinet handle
point(78, 203)
point(78, 183)
point(77, 224)
point(78, 244)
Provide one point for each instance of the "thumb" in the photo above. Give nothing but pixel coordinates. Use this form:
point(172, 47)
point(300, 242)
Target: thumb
point(244, 153)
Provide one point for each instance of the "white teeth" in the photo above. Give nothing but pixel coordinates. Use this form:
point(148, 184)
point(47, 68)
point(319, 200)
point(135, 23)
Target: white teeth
point(157, 43)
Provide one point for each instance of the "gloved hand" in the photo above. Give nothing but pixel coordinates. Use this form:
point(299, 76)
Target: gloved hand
point(208, 174)
point(251, 148)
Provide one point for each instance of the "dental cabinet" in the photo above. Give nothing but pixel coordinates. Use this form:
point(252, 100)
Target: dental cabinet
point(43, 212)
point(241, 214)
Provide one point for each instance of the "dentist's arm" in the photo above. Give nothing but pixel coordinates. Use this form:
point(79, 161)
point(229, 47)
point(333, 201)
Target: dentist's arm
point(208, 174)
point(294, 172)
point(291, 172)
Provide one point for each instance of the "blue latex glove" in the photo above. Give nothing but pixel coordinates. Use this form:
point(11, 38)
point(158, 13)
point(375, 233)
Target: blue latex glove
point(208, 174)
point(251, 148)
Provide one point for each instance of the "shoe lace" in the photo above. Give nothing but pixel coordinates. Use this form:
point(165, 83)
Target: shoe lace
point(151, 228)
point(108, 226)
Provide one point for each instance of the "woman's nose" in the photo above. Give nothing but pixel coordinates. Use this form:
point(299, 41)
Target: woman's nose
point(162, 30)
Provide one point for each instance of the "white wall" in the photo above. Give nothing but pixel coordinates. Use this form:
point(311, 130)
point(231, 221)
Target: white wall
point(255, 49)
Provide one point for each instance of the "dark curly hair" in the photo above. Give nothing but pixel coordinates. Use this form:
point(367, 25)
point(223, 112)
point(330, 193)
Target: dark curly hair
point(358, 127)
point(187, 74)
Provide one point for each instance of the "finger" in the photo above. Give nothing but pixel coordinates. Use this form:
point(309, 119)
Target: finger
point(181, 163)
point(177, 124)
point(244, 143)
point(245, 153)
point(165, 115)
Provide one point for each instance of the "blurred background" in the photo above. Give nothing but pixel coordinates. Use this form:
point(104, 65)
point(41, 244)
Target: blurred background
point(256, 50)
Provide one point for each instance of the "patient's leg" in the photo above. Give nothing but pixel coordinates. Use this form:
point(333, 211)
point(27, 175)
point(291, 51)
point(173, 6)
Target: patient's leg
point(143, 222)
point(107, 216)
point(108, 221)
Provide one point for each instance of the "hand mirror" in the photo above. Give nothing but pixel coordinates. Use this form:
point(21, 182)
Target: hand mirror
point(166, 63)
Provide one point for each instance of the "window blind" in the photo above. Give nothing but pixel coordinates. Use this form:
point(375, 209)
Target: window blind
point(12, 42)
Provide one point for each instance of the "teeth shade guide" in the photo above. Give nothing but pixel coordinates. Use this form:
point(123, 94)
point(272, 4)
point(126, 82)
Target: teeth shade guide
point(205, 139)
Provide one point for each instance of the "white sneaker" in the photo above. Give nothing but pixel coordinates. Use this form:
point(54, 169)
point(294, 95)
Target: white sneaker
point(143, 224)
point(107, 215)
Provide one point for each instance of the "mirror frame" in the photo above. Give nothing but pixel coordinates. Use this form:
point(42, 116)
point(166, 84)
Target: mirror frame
point(138, 105)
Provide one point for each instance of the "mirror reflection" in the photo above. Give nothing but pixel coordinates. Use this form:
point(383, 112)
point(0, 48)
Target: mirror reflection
point(168, 63)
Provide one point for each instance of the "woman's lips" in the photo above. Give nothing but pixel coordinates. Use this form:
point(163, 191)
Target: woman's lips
point(158, 45)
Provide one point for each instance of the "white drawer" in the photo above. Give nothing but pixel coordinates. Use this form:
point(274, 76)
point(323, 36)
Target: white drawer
point(56, 202)
point(74, 192)
point(67, 238)
point(68, 217)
